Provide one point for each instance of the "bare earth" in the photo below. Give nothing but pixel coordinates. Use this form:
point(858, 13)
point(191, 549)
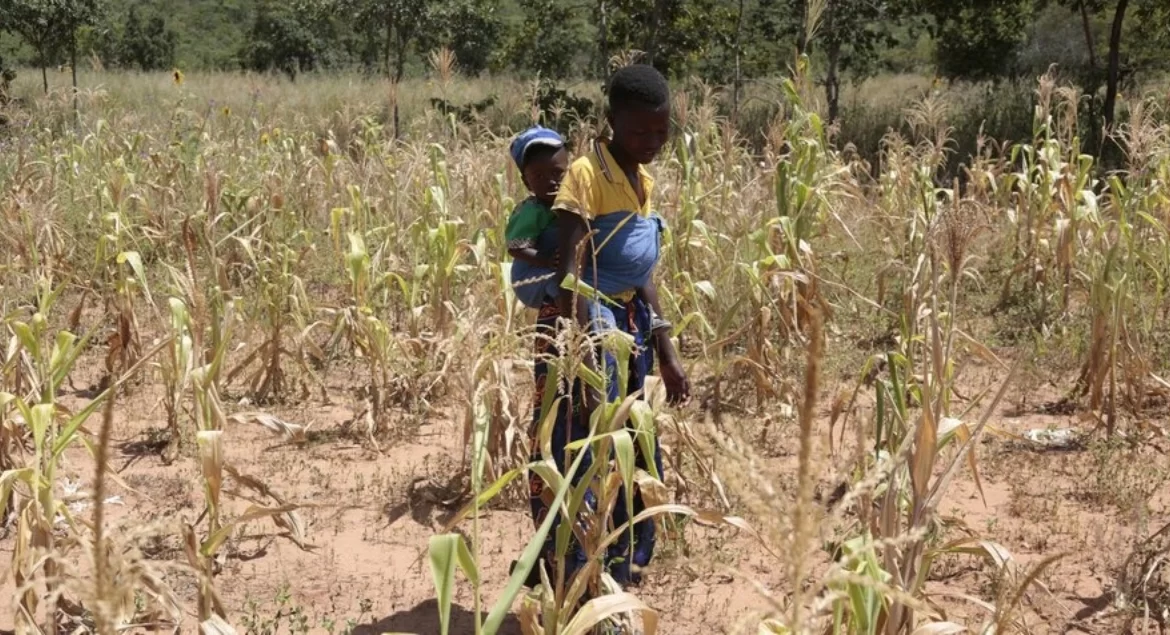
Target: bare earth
point(370, 515)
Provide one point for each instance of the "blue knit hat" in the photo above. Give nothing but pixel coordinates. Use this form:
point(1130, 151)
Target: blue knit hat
point(532, 137)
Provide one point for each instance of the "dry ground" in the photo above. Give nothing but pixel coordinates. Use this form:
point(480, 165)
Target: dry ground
point(370, 515)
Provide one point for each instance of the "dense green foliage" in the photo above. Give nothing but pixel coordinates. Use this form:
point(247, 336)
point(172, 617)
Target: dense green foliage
point(1103, 46)
point(559, 38)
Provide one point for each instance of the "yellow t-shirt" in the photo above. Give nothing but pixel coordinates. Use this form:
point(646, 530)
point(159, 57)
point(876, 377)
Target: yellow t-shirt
point(596, 186)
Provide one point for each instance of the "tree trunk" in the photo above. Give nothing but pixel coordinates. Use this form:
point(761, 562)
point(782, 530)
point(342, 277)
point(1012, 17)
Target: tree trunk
point(833, 53)
point(833, 82)
point(45, 70)
point(655, 29)
point(1088, 33)
point(602, 38)
point(738, 86)
point(389, 45)
point(1114, 64)
point(802, 36)
point(399, 71)
point(73, 72)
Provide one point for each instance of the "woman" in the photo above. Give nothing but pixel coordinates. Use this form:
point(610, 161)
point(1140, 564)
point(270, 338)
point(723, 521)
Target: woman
point(608, 239)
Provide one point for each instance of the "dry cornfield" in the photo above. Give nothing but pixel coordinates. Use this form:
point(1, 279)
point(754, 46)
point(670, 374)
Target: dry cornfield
point(263, 373)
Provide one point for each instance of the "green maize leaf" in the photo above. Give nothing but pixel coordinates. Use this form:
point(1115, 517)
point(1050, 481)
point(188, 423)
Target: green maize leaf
point(442, 556)
point(529, 556)
point(594, 379)
point(547, 470)
point(66, 351)
point(62, 347)
point(39, 418)
point(580, 287)
point(446, 552)
point(623, 451)
point(581, 443)
point(135, 261)
point(9, 478)
point(479, 440)
point(180, 317)
point(484, 497)
point(643, 417)
point(27, 339)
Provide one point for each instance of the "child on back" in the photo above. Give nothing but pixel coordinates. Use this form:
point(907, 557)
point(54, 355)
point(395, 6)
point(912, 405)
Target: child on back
point(531, 234)
point(541, 156)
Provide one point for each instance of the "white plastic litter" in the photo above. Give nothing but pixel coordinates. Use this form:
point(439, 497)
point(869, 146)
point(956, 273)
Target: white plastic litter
point(1053, 437)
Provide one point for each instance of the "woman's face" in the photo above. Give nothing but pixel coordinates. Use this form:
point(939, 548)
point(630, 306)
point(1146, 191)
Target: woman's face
point(543, 175)
point(641, 133)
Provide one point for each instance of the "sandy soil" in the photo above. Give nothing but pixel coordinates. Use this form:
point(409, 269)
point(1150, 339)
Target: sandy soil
point(370, 515)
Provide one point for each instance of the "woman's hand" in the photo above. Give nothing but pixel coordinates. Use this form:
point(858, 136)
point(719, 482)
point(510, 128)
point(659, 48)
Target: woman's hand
point(678, 387)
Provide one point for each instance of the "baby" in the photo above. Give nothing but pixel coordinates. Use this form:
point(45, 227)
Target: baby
point(531, 234)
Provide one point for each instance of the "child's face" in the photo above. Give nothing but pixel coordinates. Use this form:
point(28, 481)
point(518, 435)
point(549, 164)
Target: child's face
point(543, 175)
point(640, 132)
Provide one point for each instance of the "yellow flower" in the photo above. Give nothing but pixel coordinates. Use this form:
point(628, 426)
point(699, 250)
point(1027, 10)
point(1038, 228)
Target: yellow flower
point(178, 77)
point(264, 139)
point(227, 112)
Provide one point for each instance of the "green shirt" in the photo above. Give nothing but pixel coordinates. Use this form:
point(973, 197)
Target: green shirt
point(528, 220)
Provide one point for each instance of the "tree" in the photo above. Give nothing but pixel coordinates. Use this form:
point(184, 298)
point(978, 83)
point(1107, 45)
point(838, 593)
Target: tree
point(149, 47)
point(50, 27)
point(6, 77)
point(470, 28)
point(400, 22)
point(850, 33)
point(547, 40)
point(977, 39)
point(283, 38)
point(1152, 37)
point(774, 28)
point(675, 34)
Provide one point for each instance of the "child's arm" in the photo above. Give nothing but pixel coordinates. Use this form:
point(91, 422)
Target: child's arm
point(531, 256)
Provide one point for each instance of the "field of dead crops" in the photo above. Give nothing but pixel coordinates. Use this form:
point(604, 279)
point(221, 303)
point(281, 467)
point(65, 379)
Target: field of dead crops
point(263, 372)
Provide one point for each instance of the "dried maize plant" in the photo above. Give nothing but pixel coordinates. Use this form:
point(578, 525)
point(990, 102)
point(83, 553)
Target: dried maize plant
point(276, 249)
point(715, 176)
point(886, 532)
point(121, 270)
point(806, 180)
point(203, 549)
point(1053, 189)
point(175, 367)
point(618, 431)
point(1124, 263)
point(494, 411)
point(40, 549)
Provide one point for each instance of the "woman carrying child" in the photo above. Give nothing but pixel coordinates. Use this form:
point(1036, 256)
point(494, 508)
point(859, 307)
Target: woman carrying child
point(605, 236)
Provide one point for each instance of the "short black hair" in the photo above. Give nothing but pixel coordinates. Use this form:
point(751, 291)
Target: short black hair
point(539, 152)
point(638, 86)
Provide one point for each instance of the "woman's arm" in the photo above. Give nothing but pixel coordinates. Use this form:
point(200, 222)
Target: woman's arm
point(678, 387)
point(571, 229)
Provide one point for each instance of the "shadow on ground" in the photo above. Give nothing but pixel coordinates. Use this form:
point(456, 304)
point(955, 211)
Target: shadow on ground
point(423, 619)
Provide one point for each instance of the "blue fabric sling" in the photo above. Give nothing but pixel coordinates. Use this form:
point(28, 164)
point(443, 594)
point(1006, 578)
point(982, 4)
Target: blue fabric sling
point(627, 248)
